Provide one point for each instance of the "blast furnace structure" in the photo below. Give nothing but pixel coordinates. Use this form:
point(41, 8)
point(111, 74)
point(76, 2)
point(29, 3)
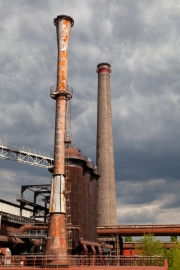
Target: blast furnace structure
point(106, 201)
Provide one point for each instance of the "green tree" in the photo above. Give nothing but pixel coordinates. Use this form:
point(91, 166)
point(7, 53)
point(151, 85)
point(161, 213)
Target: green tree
point(174, 238)
point(173, 255)
point(128, 239)
point(150, 246)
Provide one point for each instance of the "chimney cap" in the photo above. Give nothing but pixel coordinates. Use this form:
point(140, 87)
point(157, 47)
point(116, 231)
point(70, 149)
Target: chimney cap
point(66, 17)
point(103, 67)
point(103, 64)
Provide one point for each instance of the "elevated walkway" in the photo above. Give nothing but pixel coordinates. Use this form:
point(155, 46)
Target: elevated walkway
point(15, 219)
point(25, 155)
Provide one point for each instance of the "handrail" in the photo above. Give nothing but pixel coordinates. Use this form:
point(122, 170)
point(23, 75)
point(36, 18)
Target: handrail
point(131, 262)
point(25, 149)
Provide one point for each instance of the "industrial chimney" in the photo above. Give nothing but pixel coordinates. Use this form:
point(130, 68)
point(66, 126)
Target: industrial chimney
point(106, 201)
point(56, 245)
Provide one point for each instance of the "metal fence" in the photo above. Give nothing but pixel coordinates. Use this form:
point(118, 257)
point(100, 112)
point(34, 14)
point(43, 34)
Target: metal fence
point(83, 261)
point(116, 261)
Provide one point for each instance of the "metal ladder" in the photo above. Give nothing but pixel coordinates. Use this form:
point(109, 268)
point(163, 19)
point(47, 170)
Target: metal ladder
point(68, 204)
point(68, 184)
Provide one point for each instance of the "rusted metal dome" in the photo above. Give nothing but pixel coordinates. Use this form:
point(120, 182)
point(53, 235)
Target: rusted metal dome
point(71, 151)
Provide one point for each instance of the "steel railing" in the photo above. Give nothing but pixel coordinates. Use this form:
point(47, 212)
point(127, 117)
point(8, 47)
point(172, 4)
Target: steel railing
point(36, 261)
point(25, 149)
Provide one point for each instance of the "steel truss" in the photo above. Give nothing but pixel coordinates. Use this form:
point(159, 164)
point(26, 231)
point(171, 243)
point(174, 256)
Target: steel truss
point(25, 155)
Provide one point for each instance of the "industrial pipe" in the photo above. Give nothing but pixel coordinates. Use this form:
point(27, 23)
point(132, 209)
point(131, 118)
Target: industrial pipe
point(99, 250)
point(85, 249)
point(11, 239)
point(93, 250)
point(91, 244)
point(22, 229)
point(104, 245)
point(29, 227)
point(88, 243)
point(157, 230)
point(133, 245)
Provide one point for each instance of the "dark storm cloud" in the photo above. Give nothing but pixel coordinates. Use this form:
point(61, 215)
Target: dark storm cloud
point(146, 164)
point(136, 192)
point(141, 41)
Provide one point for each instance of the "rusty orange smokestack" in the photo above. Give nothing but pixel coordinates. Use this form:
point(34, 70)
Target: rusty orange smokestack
point(56, 244)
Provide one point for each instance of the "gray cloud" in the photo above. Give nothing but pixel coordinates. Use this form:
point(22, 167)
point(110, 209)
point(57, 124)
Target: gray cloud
point(141, 41)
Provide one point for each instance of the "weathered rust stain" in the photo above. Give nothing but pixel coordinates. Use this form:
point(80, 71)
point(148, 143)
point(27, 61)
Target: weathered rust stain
point(60, 130)
point(56, 244)
point(62, 54)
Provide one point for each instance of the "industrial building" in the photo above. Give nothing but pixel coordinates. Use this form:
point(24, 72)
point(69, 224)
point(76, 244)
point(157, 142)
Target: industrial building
point(77, 216)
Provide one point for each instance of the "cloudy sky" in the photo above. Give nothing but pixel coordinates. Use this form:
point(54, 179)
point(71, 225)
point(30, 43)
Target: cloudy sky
point(141, 41)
